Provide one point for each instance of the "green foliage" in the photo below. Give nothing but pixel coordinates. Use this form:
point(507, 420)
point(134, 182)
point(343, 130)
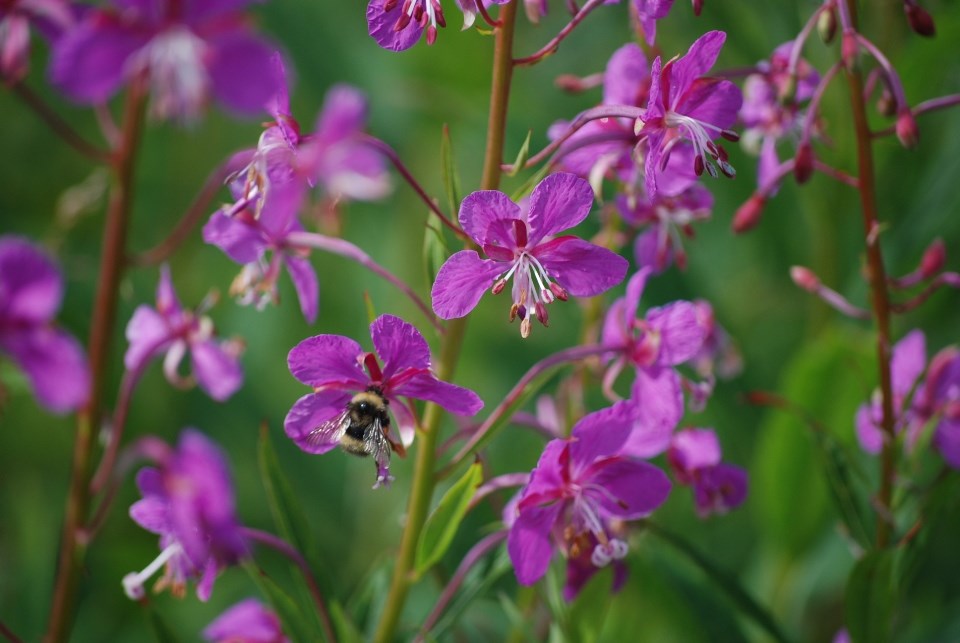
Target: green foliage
point(442, 524)
point(871, 598)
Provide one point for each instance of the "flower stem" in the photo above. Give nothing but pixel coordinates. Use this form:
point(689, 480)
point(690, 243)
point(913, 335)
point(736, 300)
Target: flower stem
point(59, 126)
point(554, 44)
point(424, 479)
point(297, 559)
point(72, 548)
point(879, 297)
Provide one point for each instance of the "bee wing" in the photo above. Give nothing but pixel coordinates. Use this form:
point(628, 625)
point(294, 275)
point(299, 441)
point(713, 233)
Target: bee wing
point(327, 435)
point(378, 446)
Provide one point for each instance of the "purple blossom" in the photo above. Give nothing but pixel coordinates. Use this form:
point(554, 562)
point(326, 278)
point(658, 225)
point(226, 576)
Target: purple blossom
point(170, 329)
point(50, 17)
point(337, 368)
point(189, 49)
point(667, 337)
point(938, 399)
point(31, 290)
point(578, 495)
point(648, 12)
point(260, 244)
point(695, 458)
point(249, 621)
point(687, 108)
point(399, 24)
point(188, 501)
point(521, 244)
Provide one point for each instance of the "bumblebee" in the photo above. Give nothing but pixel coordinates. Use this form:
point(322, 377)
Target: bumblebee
point(362, 428)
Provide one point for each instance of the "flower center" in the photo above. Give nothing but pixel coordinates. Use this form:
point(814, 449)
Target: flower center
point(426, 13)
point(707, 154)
point(133, 582)
point(178, 78)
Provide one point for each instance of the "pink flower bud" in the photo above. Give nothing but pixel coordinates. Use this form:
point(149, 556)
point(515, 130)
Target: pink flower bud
point(849, 49)
point(907, 130)
point(933, 259)
point(887, 104)
point(748, 215)
point(697, 7)
point(569, 83)
point(805, 278)
point(920, 21)
point(803, 163)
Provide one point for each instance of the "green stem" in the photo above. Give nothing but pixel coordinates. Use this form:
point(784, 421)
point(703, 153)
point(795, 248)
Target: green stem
point(424, 479)
point(879, 296)
point(72, 547)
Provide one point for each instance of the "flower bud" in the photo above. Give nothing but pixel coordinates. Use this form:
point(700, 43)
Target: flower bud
point(805, 278)
point(827, 25)
point(920, 21)
point(933, 260)
point(886, 104)
point(803, 163)
point(697, 7)
point(907, 130)
point(748, 215)
point(849, 48)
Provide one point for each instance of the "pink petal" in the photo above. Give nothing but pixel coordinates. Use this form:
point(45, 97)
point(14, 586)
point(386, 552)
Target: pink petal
point(325, 360)
point(461, 282)
point(623, 79)
point(344, 113)
point(658, 400)
point(30, 284)
point(481, 209)
point(867, 427)
point(305, 282)
point(631, 489)
point(695, 63)
point(238, 238)
point(308, 413)
point(242, 73)
point(89, 62)
point(528, 542)
point(558, 203)
point(218, 373)
point(908, 362)
point(152, 514)
point(598, 435)
point(681, 335)
point(694, 449)
point(148, 334)
point(712, 100)
point(54, 363)
point(453, 398)
point(398, 345)
point(380, 25)
point(582, 268)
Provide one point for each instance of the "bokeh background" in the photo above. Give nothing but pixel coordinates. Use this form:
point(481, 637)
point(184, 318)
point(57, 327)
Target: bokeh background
point(785, 544)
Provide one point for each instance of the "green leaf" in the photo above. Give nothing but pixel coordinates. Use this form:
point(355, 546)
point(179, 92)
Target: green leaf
point(286, 608)
point(448, 169)
point(346, 631)
point(441, 525)
point(160, 628)
point(477, 583)
point(370, 308)
point(871, 598)
point(727, 582)
point(845, 487)
point(522, 155)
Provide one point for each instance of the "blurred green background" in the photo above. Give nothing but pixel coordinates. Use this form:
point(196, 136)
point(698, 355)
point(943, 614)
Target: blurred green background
point(784, 544)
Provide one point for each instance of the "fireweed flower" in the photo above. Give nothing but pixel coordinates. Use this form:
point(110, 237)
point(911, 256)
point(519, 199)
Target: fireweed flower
point(188, 501)
point(666, 218)
point(938, 400)
point(169, 329)
point(687, 108)
point(578, 496)
point(31, 290)
point(654, 345)
point(694, 457)
point(49, 17)
point(521, 245)
point(648, 12)
point(189, 49)
point(399, 24)
point(260, 244)
point(907, 364)
point(337, 367)
point(249, 621)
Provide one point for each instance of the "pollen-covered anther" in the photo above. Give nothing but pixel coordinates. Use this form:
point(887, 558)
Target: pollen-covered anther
point(559, 292)
point(541, 311)
point(498, 286)
point(730, 135)
point(525, 326)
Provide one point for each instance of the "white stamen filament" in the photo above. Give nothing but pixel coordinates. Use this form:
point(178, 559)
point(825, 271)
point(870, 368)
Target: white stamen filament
point(133, 582)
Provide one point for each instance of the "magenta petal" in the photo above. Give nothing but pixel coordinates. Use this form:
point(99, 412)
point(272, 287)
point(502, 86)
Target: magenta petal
point(681, 335)
point(694, 449)
point(152, 514)
point(90, 61)
point(218, 373)
point(344, 113)
point(635, 288)
point(616, 331)
point(558, 203)
point(712, 100)
point(148, 335)
point(309, 412)
point(631, 488)
point(199, 10)
point(406, 424)
point(650, 433)
point(453, 398)
point(768, 166)
point(528, 542)
point(658, 400)
point(461, 282)
point(380, 25)
point(481, 209)
point(908, 362)
point(719, 489)
point(30, 285)
point(867, 424)
point(207, 578)
point(548, 476)
point(248, 621)
point(599, 434)
point(242, 72)
point(167, 302)
point(581, 267)
point(55, 364)
point(305, 282)
point(696, 62)
point(398, 345)
point(626, 71)
point(239, 239)
point(323, 360)
point(947, 440)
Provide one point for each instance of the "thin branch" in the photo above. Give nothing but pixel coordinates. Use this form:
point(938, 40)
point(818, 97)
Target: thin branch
point(8, 633)
point(922, 108)
point(551, 47)
point(193, 215)
point(59, 126)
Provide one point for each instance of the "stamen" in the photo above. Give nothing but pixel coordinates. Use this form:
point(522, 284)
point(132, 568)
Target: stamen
point(133, 582)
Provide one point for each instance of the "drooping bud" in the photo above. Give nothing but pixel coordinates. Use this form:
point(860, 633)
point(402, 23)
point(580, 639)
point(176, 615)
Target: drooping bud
point(920, 20)
point(933, 259)
point(697, 7)
point(803, 163)
point(849, 48)
point(748, 215)
point(827, 25)
point(887, 104)
point(534, 10)
point(804, 278)
point(431, 35)
point(907, 130)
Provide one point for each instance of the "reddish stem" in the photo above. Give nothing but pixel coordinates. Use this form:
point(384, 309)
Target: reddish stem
point(59, 126)
point(551, 47)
